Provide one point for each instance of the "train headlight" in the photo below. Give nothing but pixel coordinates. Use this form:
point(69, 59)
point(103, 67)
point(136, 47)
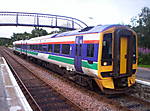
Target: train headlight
point(105, 63)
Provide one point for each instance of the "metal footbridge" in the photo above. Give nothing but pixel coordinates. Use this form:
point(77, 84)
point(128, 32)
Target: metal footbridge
point(40, 20)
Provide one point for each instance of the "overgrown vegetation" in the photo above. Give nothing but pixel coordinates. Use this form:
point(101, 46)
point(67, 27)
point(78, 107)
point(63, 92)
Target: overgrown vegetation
point(141, 25)
point(5, 41)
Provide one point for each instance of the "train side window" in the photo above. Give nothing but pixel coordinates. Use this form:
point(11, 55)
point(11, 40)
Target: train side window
point(40, 47)
point(36, 47)
point(90, 50)
point(56, 48)
point(50, 48)
point(44, 47)
point(66, 49)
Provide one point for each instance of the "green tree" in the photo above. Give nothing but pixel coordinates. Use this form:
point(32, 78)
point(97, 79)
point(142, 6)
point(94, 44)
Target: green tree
point(24, 36)
point(5, 41)
point(141, 25)
point(37, 32)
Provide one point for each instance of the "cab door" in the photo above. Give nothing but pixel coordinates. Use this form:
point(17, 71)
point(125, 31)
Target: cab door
point(78, 53)
point(123, 55)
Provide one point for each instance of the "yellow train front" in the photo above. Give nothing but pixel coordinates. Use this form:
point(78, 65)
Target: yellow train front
point(117, 59)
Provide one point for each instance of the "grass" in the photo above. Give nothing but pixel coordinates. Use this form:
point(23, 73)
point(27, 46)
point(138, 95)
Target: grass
point(146, 66)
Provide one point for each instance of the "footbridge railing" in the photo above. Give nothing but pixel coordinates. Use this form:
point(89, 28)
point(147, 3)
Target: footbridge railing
point(40, 20)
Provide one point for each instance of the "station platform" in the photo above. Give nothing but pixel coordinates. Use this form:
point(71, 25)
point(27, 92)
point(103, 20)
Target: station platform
point(11, 96)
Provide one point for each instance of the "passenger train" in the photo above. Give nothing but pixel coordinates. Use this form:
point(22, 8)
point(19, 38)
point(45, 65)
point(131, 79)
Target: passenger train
point(106, 54)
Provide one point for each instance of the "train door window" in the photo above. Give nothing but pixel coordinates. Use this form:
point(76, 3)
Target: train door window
point(78, 48)
point(50, 48)
point(107, 49)
point(66, 49)
point(90, 50)
point(56, 48)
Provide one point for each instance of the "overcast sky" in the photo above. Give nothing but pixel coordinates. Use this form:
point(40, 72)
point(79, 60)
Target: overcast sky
point(101, 11)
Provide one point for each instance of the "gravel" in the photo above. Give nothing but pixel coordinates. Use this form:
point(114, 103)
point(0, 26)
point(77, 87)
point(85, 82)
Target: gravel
point(82, 97)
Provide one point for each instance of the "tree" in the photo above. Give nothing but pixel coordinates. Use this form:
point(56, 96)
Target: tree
point(5, 41)
point(38, 32)
point(142, 27)
point(25, 36)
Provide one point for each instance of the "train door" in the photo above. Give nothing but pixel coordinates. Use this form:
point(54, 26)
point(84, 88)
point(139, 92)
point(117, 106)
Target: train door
point(123, 52)
point(123, 55)
point(78, 53)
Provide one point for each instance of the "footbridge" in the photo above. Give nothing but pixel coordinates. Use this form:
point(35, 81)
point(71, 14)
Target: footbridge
point(40, 20)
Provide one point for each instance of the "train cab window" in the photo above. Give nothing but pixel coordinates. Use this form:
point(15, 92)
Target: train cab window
point(107, 49)
point(56, 48)
point(66, 49)
point(50, 48)
point(90, 50)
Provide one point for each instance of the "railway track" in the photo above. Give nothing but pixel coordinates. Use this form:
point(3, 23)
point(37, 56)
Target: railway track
point(128, 101)
point(40, 95)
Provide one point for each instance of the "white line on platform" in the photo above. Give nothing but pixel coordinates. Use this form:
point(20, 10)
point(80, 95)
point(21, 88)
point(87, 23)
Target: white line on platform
point(143, 82)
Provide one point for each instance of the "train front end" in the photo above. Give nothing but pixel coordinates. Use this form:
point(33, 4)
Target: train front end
point(117, 58)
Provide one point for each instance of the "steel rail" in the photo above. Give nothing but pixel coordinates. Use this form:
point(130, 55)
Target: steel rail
point(75, 105)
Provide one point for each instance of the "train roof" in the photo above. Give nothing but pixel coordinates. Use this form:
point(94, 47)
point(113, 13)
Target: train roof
point(95, 29)
point(87, 30)
point(92, 29)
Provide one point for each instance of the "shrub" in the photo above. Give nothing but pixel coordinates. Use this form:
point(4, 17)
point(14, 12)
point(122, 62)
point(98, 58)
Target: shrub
point(144, 59)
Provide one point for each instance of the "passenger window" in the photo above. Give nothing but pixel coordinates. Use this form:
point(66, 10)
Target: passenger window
point(50, 48)
point(90, 50)
point(66, 49)
point(56, 48)
point(40, 47)
point(44, 47)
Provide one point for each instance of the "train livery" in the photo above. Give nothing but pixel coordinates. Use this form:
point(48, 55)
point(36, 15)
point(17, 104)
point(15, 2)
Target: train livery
point(105, 53)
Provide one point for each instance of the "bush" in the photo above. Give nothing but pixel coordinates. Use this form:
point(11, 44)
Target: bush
point(144, 59)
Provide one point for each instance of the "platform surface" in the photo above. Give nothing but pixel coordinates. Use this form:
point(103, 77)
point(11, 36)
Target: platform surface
point(11, 96)
point(143, 73)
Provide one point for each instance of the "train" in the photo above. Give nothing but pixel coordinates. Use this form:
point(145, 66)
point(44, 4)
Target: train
point(105, 54)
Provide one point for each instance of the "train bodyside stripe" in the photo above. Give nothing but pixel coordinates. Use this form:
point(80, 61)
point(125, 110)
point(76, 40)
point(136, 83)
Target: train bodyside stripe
point(67, 60)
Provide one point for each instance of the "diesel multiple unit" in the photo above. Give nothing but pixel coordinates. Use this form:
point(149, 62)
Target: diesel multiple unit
point(105, 53)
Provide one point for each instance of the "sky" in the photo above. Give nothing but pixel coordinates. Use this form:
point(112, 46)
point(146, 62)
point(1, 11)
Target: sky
point(92, 12)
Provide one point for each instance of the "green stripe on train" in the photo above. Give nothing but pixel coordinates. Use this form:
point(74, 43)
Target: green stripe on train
point(87, 65)
point(61, 59)
point(29, 52)
point(65, 60)
point(71, 61)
